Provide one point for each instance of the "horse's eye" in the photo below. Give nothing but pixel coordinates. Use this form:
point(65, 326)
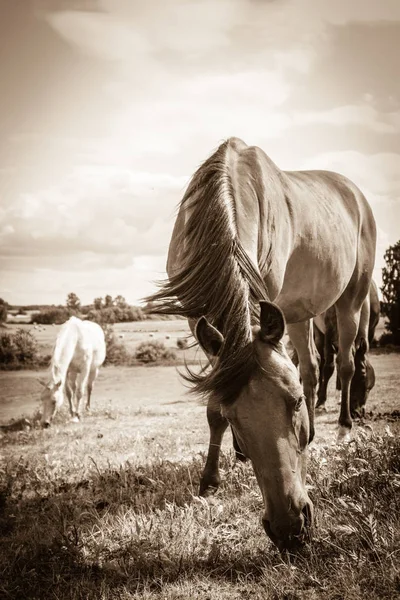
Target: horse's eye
point(299, 402)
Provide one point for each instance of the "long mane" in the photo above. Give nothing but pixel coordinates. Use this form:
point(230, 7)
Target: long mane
point(217, 279)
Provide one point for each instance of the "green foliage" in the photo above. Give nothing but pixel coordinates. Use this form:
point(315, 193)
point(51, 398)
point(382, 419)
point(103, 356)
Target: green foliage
point(154, 351)
point(19, 349)
point(391, 293)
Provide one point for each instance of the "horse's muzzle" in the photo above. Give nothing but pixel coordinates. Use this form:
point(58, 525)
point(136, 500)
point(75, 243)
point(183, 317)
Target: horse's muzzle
point(291, 533)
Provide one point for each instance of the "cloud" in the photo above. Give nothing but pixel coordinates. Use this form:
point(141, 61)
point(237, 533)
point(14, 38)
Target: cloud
point(97, 217)
point(364, 115)
point(160, 84)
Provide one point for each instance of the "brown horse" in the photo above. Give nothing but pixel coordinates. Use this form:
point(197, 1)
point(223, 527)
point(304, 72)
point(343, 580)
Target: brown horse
point(247, 231)
point(326, 340)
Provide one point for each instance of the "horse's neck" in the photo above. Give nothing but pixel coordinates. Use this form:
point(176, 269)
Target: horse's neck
point(62, 356)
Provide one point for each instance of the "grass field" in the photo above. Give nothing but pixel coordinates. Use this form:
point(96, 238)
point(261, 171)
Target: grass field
point(108, 508)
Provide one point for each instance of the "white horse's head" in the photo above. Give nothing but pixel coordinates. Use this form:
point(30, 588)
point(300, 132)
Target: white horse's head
point(52, 398)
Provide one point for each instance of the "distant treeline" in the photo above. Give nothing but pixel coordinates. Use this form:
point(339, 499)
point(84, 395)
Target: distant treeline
point(47, 315)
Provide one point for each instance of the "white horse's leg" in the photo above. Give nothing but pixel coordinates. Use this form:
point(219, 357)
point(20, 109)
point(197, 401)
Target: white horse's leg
point(81, 385)
point(91, 379)
point(70, 384)
point(301, 335)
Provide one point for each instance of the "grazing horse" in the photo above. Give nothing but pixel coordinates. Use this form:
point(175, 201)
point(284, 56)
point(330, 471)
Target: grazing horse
point(326, 340)
point(79, 352)
point(253, 247)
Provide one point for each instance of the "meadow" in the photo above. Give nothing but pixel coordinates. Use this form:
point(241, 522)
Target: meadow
point(108, 508)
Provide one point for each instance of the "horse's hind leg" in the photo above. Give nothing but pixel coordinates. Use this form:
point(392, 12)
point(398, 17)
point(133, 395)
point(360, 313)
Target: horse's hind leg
point(70, 386)
point(81, 383)
point(301, 335)
point(327, 367)
point(210, 479)
point(352, 326)
point(91, 379)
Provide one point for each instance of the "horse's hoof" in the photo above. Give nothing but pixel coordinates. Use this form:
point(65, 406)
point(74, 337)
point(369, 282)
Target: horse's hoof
point(208, 491)
point(321, 408)
point(74, 419)
point(208, 487)
point(344, 435)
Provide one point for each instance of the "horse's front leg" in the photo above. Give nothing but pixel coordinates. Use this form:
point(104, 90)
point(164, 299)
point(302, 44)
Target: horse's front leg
point(210, 479)
point(301, 336)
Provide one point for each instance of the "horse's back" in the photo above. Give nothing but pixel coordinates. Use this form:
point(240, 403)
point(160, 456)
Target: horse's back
point(318, 223)
point(93, 342)
point(84, 343)
point(311, 234)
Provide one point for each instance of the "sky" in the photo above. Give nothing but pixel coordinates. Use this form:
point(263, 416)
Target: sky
point(107, 107)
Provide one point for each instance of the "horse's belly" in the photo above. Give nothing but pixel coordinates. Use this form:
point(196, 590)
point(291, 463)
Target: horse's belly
point(80, 360)
point(310, 288)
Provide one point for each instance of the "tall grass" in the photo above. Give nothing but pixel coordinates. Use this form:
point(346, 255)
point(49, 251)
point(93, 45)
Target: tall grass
point(140, 531)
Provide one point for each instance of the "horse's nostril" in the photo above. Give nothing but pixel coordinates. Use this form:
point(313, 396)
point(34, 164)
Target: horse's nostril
point(46, 424)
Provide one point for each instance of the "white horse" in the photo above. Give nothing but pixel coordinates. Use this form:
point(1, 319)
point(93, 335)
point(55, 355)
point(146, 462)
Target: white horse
point(79, 352)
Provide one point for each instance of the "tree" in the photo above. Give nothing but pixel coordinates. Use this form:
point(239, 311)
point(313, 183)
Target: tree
point(73, 302)
point(391, 291)
point(120, 302)
point(3, 310)
point(98, 303)
point(108, 301)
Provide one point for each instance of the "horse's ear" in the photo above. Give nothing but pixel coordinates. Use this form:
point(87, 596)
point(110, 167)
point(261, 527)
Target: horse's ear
point(272, 322)
point(57, 385)
point(209, 338)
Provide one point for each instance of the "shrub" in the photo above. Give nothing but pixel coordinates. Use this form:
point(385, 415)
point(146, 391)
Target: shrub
point(19, 349)
point(7, 349)
point(26, 346)
point(115, 314)
point(50, 316)
point(151, 352)
point(391, 291)
point(116, 352)
point(3, 311)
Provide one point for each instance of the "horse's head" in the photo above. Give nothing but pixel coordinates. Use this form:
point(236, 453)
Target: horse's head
point(270, 420)
point(52, 398)
point(363, 380)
